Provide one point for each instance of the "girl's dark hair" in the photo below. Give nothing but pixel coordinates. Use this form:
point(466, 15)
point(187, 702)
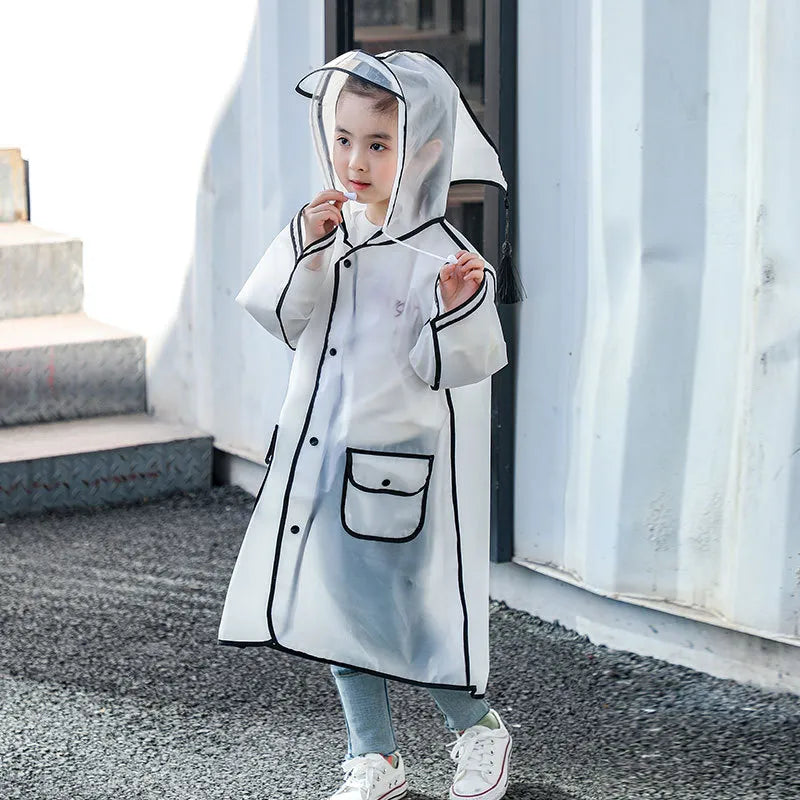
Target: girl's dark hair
point(383, 102)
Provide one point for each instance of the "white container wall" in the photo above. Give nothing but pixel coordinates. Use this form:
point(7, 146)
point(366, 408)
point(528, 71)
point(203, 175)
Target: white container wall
point(658, 450)
point(260, 169)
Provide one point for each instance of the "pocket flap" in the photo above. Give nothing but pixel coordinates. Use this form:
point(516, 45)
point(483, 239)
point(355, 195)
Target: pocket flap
point(392, 473)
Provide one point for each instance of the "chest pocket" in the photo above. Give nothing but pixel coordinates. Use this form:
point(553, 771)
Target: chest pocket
point(384, 495)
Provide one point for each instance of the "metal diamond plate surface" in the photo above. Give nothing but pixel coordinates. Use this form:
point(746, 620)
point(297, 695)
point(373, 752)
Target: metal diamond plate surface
point(109, 477)
point(41, 278)
point(72, 381)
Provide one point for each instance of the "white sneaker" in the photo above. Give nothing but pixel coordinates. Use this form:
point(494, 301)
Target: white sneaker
point(482, 756)
point(372, 777)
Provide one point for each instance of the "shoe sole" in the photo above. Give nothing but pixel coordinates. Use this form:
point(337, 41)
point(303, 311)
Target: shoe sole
point(500, 791)
point(393, 794)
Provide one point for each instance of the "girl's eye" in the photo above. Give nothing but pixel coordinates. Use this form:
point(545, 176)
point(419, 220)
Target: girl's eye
point(343, 141)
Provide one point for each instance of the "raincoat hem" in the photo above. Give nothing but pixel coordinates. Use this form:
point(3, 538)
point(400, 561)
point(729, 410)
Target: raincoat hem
point(274, 645)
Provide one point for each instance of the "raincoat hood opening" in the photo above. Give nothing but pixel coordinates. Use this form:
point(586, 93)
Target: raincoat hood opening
point(427, 103)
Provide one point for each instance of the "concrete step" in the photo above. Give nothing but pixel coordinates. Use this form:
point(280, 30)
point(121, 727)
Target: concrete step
point(68, 366)
point(41, 272)
point(99, 461)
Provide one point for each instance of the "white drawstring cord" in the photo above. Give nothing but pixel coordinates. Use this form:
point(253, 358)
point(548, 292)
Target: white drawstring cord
point(451, 259)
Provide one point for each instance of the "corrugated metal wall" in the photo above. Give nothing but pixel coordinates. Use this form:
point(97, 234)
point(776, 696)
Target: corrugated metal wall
point(658, 450)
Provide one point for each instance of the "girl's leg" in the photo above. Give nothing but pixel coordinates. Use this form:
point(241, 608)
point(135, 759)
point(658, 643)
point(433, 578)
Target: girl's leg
point(460, 709)
point(367, 714)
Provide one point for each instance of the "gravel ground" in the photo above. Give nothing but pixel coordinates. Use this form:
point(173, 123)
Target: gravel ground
point(112, 685)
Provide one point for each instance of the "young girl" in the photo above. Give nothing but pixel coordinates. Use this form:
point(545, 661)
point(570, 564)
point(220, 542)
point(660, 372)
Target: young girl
point(368, 547)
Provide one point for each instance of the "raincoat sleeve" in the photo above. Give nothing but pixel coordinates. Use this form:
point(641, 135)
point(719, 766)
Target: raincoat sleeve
point(463, 345)
point(283, 288)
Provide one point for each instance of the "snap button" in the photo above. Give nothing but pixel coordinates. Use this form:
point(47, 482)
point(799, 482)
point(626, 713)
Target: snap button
point(347, 262)
point(385, 482)
point(295, 529)
point(314, 440)
point(332, 351)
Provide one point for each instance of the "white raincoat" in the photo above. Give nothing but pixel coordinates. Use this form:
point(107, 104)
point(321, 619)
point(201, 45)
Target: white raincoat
point(369, 541)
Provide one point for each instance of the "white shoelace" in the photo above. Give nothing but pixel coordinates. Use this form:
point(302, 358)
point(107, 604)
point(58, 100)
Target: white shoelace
point(360, 772)
point(469, 751)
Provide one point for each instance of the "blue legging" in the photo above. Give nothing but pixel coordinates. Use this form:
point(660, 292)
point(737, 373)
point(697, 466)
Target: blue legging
point(368, 717)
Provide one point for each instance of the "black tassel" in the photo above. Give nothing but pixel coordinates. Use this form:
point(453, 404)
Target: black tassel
point(509, 285)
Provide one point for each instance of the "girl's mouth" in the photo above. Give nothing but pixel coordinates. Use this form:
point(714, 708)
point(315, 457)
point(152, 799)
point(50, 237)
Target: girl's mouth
point(357, 185)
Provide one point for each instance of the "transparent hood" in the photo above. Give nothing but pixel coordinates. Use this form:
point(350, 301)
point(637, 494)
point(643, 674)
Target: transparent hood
point(427, 107)
point(438, 140)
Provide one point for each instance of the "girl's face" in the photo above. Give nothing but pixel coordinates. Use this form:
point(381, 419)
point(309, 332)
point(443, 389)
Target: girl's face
point(365, 149)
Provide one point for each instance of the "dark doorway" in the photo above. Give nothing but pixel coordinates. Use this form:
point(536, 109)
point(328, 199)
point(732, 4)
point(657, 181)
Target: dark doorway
point(477, 42)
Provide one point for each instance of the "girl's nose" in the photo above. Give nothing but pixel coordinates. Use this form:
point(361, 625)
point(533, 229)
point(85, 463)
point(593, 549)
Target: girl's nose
point(356, 159)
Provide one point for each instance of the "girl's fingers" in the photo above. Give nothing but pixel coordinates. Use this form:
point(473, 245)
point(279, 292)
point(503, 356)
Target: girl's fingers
point(467, 258)
point(324, 199)
point(327, 212)
point(462, 269)
point(469, 266)
point(325, 208)
point(329, 194)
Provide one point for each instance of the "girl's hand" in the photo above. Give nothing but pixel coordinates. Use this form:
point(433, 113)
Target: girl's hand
point(459, 281)
point(321, 215)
